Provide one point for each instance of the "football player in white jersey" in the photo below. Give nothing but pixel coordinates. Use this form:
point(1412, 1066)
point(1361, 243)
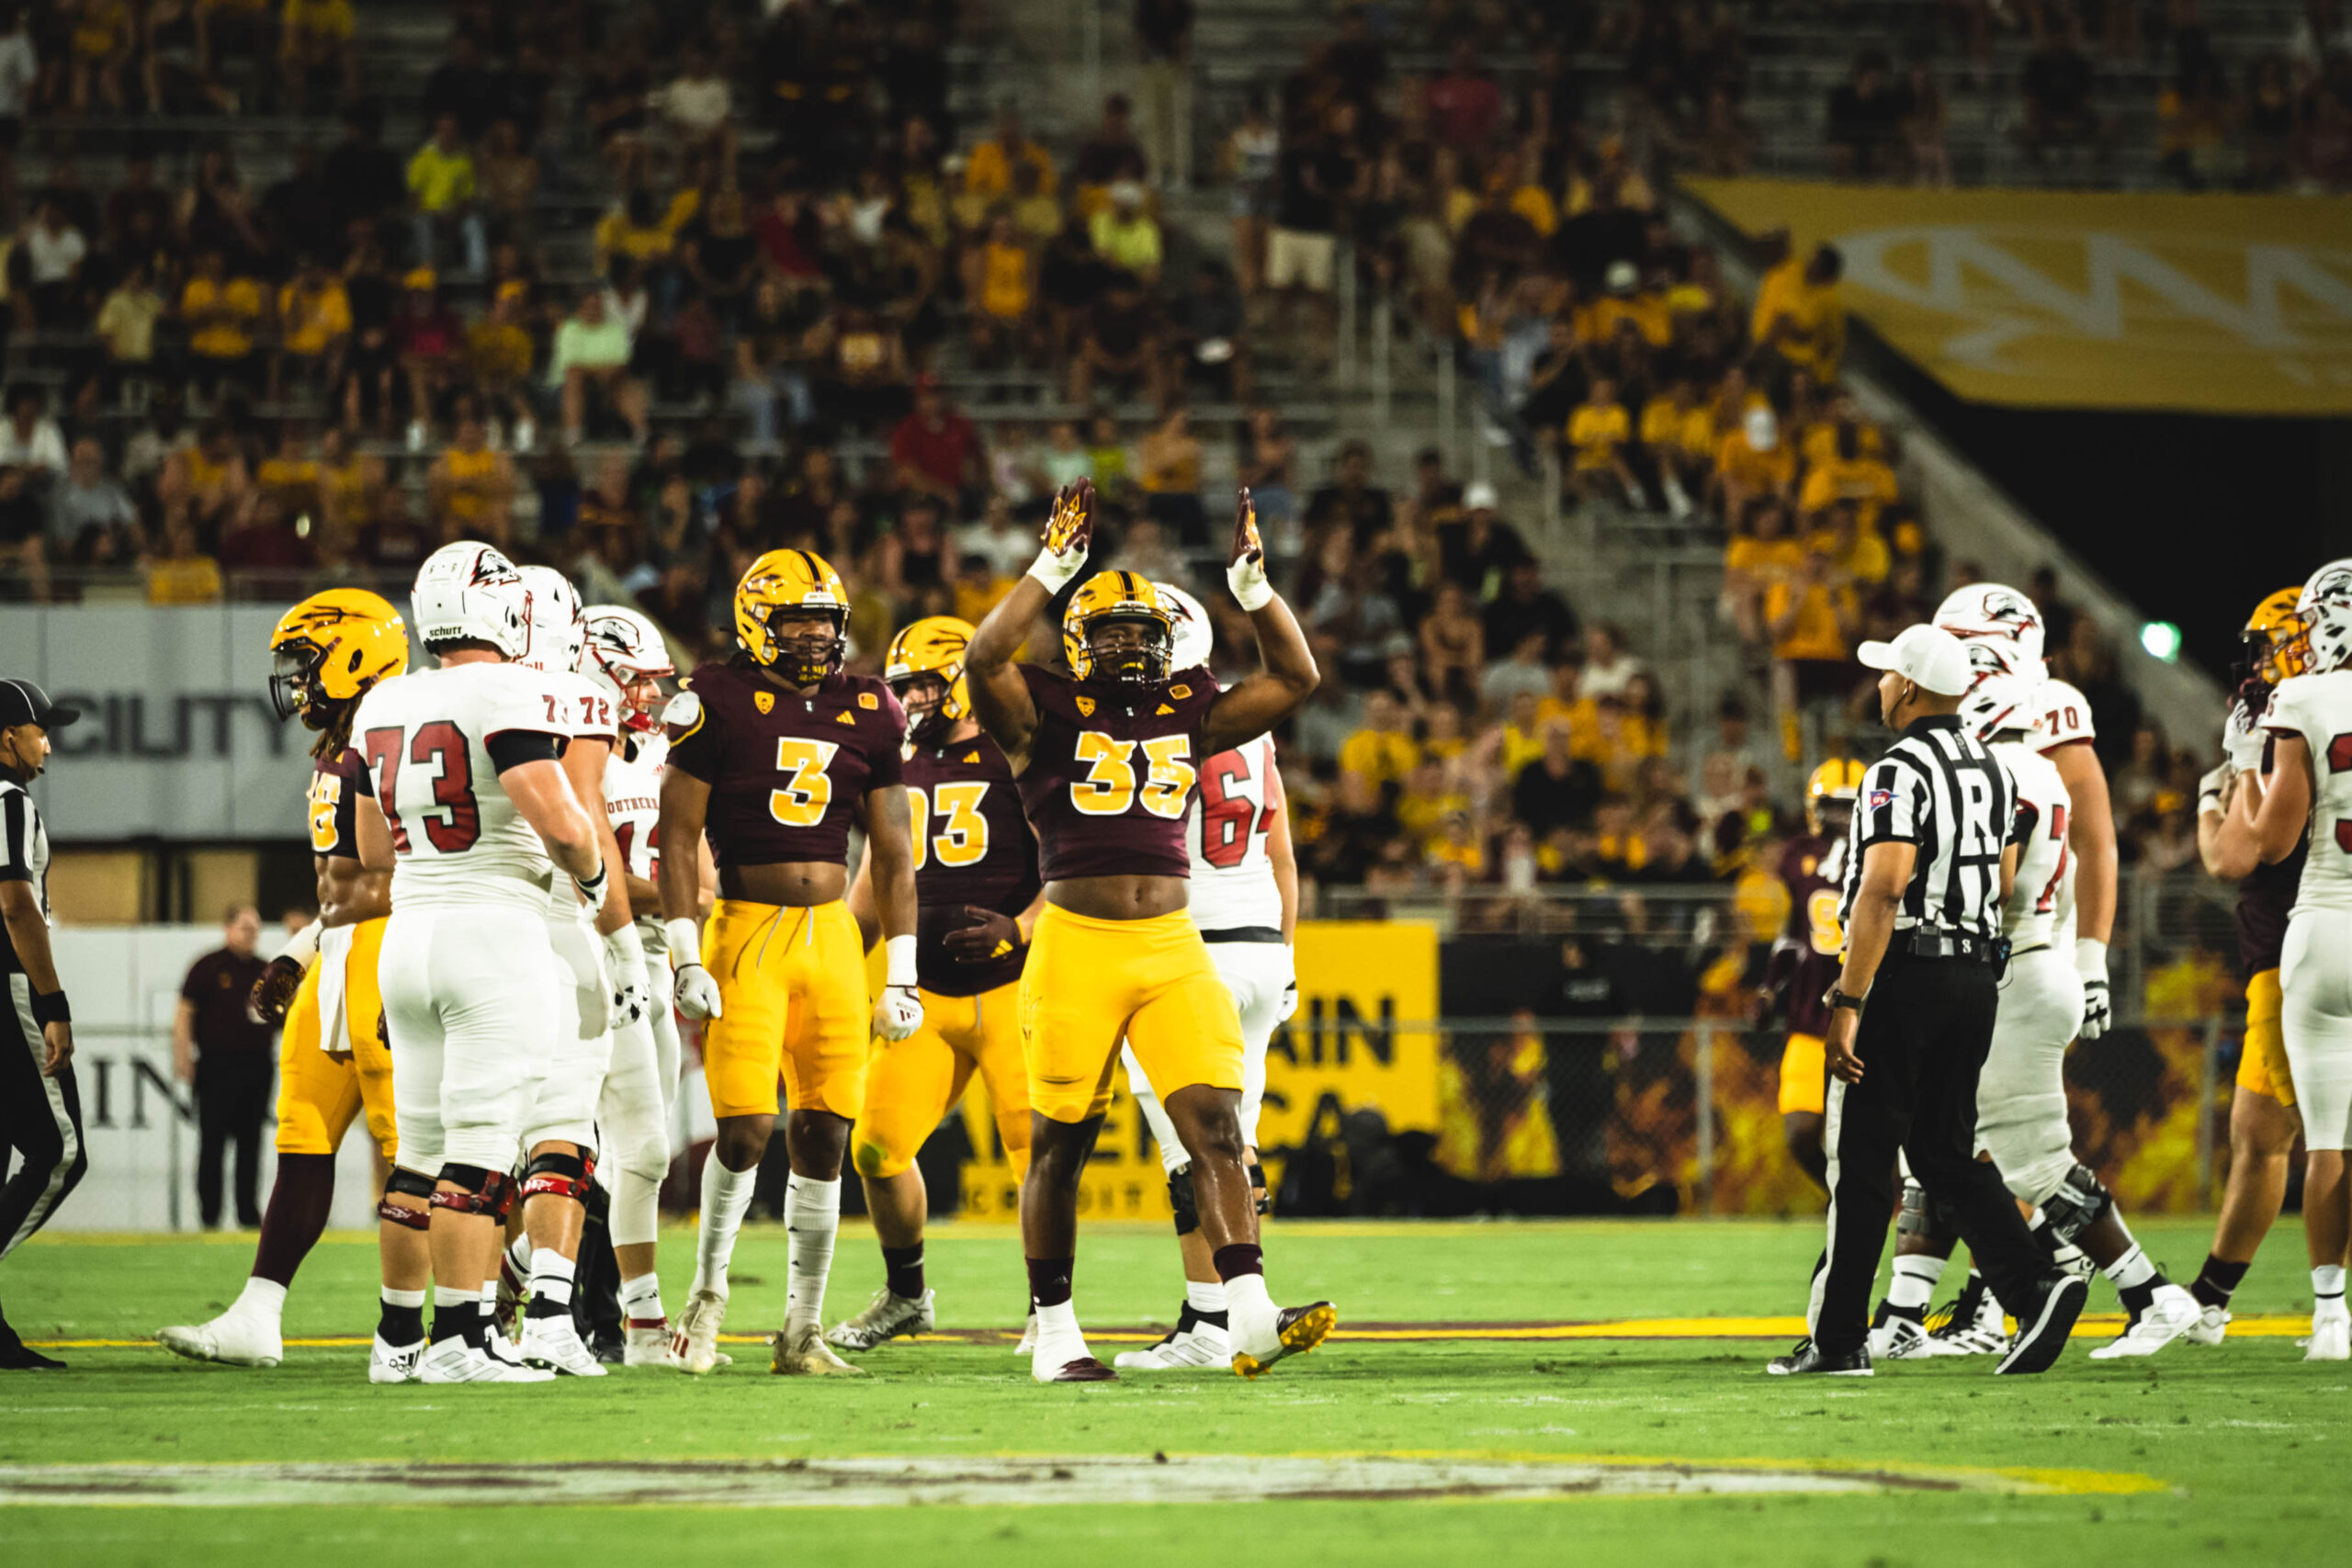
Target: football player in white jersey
point(2021, 1095)
point(622, 653)
point(468, 807)
point(2310, 722)
point(1245, 901)
point(600, 985)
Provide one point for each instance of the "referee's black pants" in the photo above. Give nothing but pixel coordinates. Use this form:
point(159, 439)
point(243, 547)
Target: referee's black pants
point(40, 1119)
point(231, 1099)
point(1922, 1040)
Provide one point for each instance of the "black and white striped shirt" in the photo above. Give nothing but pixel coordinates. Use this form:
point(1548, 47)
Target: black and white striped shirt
point(1945, 794)
point(24, 857)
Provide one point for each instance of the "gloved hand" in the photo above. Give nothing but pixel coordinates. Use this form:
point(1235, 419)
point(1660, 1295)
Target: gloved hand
point(274, 992)
point(2099, 1006)
point(1069, 532)
point(696, 992)
point(2242, 741)
point(1245, 573)
point(897, 1012)
point(625, 973)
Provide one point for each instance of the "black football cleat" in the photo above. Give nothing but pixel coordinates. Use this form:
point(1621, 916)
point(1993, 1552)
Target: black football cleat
point(2041, 1333)
point(1805, 1360)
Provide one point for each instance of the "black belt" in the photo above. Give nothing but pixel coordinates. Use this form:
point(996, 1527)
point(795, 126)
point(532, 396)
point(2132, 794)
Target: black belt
point(1245, 933)
point(1953, 944)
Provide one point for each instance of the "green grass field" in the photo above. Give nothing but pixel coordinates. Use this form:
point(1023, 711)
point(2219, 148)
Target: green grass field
point(2197, 1455)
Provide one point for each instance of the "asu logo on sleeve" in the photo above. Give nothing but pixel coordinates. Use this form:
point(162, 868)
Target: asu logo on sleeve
point(333, 795)
point(786, 772)
point(1112, 773)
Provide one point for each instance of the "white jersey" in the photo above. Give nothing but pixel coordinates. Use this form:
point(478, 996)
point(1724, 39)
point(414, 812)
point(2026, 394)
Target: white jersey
point(2318, 709)
point(2060, 714)
point(426, 738)
point(633, 805)
point(584, 712)
point(2041, 911)
point(1233, 876)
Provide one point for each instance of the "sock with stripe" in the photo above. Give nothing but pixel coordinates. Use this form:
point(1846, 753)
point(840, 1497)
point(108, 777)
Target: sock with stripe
point(455, 1315)
point(400, 1319)
point(903, 1269)
point(642, 1302)
point(2327, 1288)
point(1914, 1284)
point(2135, 1279)
point(2217, 1281)
point(1204, 1300)
point(552, 1277)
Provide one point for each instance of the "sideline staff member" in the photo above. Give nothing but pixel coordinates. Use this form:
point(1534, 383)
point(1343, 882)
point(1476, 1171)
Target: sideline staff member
point(41, 1106)
point(228, 1054)
point(1931, 854)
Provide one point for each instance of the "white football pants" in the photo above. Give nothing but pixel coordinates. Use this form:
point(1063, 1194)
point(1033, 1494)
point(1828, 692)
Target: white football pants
point(2021, 1096)
point(2316, 972)
point(565, 1108)
point(633, 1116)
point(469, 997)
point(1257, 974)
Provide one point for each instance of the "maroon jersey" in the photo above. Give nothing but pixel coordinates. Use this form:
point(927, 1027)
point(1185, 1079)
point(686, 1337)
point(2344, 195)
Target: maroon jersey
point(2265, 898)
point(1112, 770)
point(972, 846)
point(787, 773)
point(336, 784)
point(1813, 950)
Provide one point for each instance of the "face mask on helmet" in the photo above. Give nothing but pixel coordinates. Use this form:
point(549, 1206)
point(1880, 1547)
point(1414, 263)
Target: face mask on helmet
point(924, 696)
point(1130, 649)
point(294, 684)
point(809, 644)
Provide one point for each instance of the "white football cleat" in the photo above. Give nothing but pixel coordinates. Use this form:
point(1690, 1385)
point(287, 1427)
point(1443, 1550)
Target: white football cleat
point(554, 1342)
point(2172, 1312)
point(2212, 1325)
point(233, 1339)
point(1976, 1325)
point(885, 1317)
point(648, 1345)
point(1899, 1336)
point(695, 1339)
point(1063, 1358)
point(393, 1364)
point(454, 1360)
point(1202, 1348)
point(1028, 1345)
point(2331, 1338)
point(802, 1352)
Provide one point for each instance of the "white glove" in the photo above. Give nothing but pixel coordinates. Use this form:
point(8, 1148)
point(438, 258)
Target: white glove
point(2240, 741)
point(624, 971)
point(2098, 1007)
point(1246, 572)
point(1070, 532)
point(897, 1012)
point(695, 991)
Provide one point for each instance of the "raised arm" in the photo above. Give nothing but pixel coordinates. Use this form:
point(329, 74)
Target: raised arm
point(1242, 713)
point(1000, 700)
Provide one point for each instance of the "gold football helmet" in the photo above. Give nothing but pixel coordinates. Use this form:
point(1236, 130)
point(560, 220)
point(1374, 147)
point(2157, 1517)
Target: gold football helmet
point(1110, 596)
point(2277, 642)
point(933, 646)
point(1840, 778)
point(796, 583)
point(327, 651)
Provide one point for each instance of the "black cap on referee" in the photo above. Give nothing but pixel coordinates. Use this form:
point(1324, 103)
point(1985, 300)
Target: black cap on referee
point(21, 702)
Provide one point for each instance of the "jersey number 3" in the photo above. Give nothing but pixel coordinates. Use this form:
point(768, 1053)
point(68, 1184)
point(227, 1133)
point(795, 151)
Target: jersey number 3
point(1109, 787)
point(962, 835)
point(801, 802)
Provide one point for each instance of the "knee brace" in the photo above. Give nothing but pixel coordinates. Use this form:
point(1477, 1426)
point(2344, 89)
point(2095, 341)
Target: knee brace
point(1923, 1215)
point(2079, 1204)
point(564, 1176)
point(1179, 1198)
point(479, 1192)
point(408, 1184)
point(1260, 1199)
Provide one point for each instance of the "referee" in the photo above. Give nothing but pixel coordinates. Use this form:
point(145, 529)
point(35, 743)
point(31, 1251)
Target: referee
point(1931, 854)
point(40, 1107)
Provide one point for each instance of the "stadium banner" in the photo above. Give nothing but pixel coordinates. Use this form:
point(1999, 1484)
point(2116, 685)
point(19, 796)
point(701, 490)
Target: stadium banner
point(2208, 304)
point(176, 736)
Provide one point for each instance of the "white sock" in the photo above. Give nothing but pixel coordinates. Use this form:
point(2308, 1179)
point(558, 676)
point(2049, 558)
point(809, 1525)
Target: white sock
point(641, 1299)
point(1914, 1285)
point(1247, 1301)
point(551, 1276)
point(812, 1213)
point(1059, 1320)
point(518, 1255)
point(2132, 1269)
point(392, 1298)
point(1204, 1295)
point(263, 1299)
point(726, 1196)
point(2327, 1285)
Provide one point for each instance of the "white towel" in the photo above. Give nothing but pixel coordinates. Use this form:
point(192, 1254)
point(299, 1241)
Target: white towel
point(335, 953)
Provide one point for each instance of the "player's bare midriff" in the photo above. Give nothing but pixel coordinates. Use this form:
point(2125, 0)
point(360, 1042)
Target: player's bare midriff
point(1119, 897)
point(793, 883)
point(349, 894)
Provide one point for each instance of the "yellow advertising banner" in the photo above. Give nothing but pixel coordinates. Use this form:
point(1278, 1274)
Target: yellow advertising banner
point(1357, 982)
point(2212, 304)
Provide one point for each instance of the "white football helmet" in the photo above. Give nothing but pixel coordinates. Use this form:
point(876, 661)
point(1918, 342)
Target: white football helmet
point(622, 647)
point(1195, 637)
point(471, 592)
point(1990, 611)
point(554, 614)
point(2326, 611)
point(1998, 701)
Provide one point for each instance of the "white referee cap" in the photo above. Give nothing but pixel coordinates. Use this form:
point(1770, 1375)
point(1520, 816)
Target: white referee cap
point(1928, 657)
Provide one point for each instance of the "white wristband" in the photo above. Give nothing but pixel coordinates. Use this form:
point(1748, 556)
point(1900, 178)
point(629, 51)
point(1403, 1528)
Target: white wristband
point(684, 936)
point(2090, 958)
point(1057, 570)
point(625, 947)
point(1253, 596)
point(303, 945)
point(898, 961)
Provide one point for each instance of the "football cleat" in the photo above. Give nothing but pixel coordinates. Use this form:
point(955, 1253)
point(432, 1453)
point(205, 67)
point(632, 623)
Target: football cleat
point(1296, 1331)
point(802, 1352)
point(454, 1360)
point(554, 1342)
point(393, 1364)
point(1028, 1345)
point(649, 1345)
point(1202, 1346)
point(2331, 1338)
point(1898, 1336)
point(1805, 1360)
point(2172, 1313)
point(1077, 1369)
point(1973, 1325)
point(2212, 1325)
point(233, 1339)
point(885, 1317)
point(695, 1341)
point(2042, 1333)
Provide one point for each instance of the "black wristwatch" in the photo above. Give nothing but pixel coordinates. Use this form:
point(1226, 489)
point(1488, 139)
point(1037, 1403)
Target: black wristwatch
point(1834, 998)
